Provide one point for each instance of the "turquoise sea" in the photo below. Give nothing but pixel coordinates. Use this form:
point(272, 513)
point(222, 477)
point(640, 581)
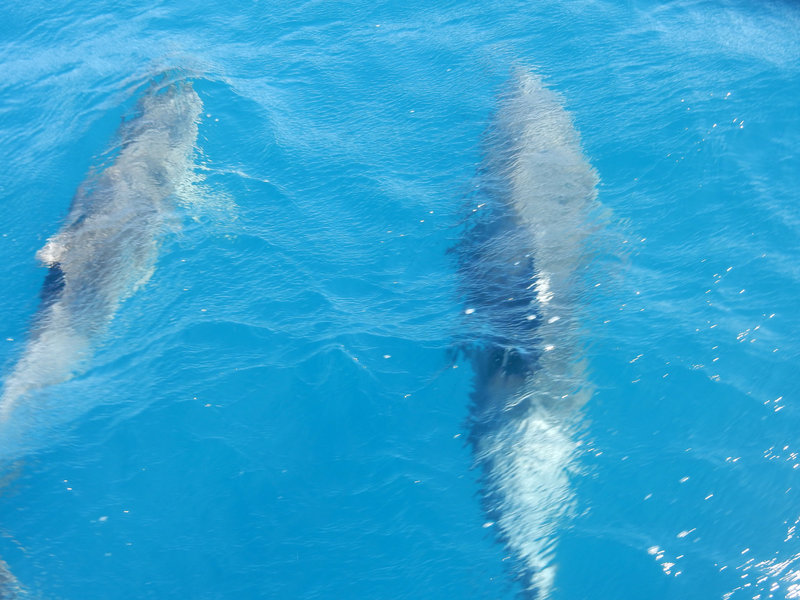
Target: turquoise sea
point(285, 408)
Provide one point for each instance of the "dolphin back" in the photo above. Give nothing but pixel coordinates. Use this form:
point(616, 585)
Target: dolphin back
point(522, 284)
point(108, 244)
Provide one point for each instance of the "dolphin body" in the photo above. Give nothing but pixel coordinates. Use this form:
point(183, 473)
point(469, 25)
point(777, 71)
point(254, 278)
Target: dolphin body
point(108, 244)
point(10, 588)
point(519, 263)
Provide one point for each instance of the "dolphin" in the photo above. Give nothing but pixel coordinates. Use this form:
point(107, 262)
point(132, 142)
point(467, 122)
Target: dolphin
point(10, 588)
point(520, 261)
point(108, 243)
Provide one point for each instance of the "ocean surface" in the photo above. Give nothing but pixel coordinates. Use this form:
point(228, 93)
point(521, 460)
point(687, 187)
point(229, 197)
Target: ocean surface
point(283, 409)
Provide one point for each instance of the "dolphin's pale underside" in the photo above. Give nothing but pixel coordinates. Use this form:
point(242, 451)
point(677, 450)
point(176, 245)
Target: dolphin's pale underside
point(108, 243)
point(521, 262)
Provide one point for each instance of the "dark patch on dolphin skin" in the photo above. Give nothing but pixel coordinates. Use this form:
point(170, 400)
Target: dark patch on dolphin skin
point(498, 281)
point(53, 285)
point(496, 268)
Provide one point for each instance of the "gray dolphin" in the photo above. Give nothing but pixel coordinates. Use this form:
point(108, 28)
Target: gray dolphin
point(519, 263)
point(10, 589)
point(107, 246)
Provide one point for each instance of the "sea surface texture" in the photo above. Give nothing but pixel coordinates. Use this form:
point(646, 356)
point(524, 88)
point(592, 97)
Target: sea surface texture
point(400, 300)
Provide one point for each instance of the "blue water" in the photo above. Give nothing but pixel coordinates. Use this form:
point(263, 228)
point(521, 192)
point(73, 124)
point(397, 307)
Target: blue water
point(276, 413)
